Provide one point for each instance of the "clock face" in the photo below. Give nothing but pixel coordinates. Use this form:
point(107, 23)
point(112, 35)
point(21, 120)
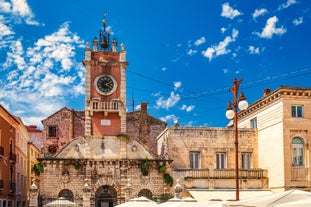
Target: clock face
point(105, 84)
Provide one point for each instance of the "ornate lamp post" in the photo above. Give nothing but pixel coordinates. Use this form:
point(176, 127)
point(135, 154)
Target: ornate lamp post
point(232, 113)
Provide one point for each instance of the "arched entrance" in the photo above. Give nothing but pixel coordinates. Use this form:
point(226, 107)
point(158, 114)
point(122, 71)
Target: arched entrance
point(105, 196)
point(67, 194)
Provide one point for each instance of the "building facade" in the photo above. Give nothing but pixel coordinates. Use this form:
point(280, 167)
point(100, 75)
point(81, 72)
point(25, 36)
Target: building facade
point(106, 165)
point(21, 174)
point(283, 121)
point(203, 158)
point(8, 126)
point(60, 128)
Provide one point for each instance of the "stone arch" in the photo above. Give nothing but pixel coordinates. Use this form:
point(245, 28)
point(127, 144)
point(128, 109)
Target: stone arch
point(106, 196)
point(108, 181)
point(141, 187)
point(146, 193)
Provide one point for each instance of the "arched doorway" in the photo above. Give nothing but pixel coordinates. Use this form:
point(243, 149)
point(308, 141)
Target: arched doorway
point(67, 194)
point(105, 196)
point(145, 192)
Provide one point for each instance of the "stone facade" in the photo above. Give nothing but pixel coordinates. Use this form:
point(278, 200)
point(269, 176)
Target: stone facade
point(106, 165)
point(205, 158)
point(140, 125)
point(60, 128)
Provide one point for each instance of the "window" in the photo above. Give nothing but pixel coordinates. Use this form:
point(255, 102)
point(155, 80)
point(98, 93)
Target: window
point(194, 160)
point(221, 160)
point(253, 123)
point(246, 160)
point(52, 131)
point(297, 152)
point(297, 111)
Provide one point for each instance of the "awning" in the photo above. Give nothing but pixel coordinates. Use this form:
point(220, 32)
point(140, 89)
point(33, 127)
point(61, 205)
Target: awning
point(203, 195)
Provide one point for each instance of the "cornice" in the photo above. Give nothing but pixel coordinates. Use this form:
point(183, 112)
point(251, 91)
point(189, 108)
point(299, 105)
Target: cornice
point(272, 97)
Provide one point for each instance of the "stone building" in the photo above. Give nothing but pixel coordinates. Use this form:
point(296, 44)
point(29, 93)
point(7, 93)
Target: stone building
point(283, 121)
point(107, 164)
point(204, 158)
point(60, 128)
point(142, 126)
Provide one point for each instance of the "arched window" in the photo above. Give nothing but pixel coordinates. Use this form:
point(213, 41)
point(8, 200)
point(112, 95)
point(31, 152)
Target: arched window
point(297, 152)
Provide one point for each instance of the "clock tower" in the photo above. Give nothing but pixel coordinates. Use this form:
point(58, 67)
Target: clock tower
point(105, 87)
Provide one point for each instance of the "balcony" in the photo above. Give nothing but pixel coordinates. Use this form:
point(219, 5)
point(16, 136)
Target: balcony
point(299, 173)
point(12, 187)
point(106, 105)
point(12, 158)
point(222, 178)
point(52, 141)
point(1, 151)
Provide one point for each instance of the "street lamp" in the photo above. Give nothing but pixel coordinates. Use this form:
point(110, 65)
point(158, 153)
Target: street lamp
point(232, 113)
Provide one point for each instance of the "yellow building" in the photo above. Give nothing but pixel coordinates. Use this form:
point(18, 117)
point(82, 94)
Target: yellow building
point(283, 122)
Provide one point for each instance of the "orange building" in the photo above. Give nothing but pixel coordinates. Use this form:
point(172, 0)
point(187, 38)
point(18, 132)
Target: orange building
point(8, 125)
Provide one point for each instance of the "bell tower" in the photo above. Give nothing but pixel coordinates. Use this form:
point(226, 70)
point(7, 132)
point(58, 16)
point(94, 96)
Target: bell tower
point(105, 86)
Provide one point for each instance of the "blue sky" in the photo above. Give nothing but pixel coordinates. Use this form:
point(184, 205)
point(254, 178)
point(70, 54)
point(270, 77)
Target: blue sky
point(183, 55)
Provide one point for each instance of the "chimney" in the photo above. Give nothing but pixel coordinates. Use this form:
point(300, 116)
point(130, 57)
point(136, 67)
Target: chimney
point(144, 131)
point(266, 92)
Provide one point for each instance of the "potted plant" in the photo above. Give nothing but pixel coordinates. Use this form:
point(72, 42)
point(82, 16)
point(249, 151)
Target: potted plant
point(123, 135)
point(76, 164)
point(38, 168)
point(162, 169)
point(144, 167)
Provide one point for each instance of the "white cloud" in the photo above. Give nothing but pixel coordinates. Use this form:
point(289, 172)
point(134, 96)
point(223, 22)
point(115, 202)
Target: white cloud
point(287, 4)
point(200, 41)
point(223, 30)
point(164, 68)
point(170, 117)
point(5, 31)
point(43, 76)
point(191, 52)
point(5, 7)
point(298, 21)
point(177, 85)
point(171, 101)
point(253, 50)
point(20, 11)
point(187, 108)
point(259, 12)
point(270, 29)
point(221, 48)
point(229, 12)
point(225, 70)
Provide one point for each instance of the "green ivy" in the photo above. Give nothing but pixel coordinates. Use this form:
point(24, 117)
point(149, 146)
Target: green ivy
point(168, 179)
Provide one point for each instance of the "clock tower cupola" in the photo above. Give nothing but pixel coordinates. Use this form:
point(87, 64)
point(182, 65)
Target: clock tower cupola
point(105, 86)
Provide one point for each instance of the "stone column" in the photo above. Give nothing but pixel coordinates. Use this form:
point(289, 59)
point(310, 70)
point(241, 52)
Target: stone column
point(128, 191)
point(33, 191)
point(86, 194)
